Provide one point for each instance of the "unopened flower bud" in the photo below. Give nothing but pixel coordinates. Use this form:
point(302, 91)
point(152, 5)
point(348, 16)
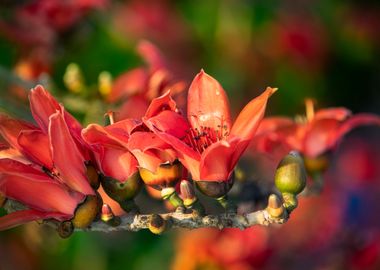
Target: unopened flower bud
point(290, 174)
point(65, 229)
point(122, 191)
point(275, 207)
point(92, 176)
point(157, 224)
point(87, 211)
point(105, 83)
point(73, 78)
point(187, 193)
point(109, 217)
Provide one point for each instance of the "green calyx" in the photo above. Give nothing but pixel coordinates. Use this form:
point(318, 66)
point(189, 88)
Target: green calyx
point(119, 191)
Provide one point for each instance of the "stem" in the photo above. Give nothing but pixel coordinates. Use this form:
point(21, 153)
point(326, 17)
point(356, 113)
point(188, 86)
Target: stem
point(175, 200)
point(229, 206)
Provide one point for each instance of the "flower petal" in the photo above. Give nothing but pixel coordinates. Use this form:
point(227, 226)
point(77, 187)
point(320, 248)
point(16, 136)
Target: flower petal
point(188, 157)
point(150, 150)
point(119, 164)
point(319, 136)
point(217, 161)
point(168, 122)
point(357, 120)
point(333, 113)
point(111, 152)
point(67, 159)
point(270, 124)
point(21, 217)
point(35, 145)
point(159, 104)
point(42, 105)
point(133, 107)
point(10, 129)
point(129, 84)
point(35, 189)
point(151, 55)
point(207, 104)
point(249, 118)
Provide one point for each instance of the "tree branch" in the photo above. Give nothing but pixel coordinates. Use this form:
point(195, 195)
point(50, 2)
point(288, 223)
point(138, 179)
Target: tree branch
point(136, 222)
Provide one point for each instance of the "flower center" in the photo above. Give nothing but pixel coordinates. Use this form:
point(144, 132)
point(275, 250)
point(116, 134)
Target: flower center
point(201, 138)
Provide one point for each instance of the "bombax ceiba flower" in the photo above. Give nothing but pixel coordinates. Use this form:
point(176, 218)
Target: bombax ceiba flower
point(207, 143)
point(313, 136)
point(44, 166)
point(128, 148)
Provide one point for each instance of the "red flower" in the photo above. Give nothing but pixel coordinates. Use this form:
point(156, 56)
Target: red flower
point(110, 147)
point(141, 85)
point(208, 144)
point(44, 167)
point(313, 136)
point(126, 146)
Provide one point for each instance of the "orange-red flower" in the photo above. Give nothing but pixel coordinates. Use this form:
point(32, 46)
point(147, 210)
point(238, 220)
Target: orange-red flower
point(208, 144)
point(313, 136)
point(141, 85)
point(125, 146)
point(43, 166)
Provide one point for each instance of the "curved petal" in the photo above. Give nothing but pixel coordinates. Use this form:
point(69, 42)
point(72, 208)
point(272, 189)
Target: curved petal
point(151, 55)
point(217, 161)
point(105, 136)
point(37, 191)
point(111, 152)
point(67, 159)
point(339, 114)
point(145, 141)
point(21, 217)
point(35, 145)
point(188, 157)
point(128, 84)
point(249, 118)
point(159, 104)
point(207, 104)
point(270, 124)
point(133, 107)
point(10, 129)
point(119, 164)
point(150, 150)
point(357, 120)
point(319, 136)
point(169, 122)
point(42, 105)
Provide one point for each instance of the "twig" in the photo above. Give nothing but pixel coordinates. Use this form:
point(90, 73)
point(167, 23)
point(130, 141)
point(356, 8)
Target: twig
point(192, 221)
point(136, 222)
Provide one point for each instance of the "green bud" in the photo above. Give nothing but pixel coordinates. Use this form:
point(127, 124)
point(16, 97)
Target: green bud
point(290, 174)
